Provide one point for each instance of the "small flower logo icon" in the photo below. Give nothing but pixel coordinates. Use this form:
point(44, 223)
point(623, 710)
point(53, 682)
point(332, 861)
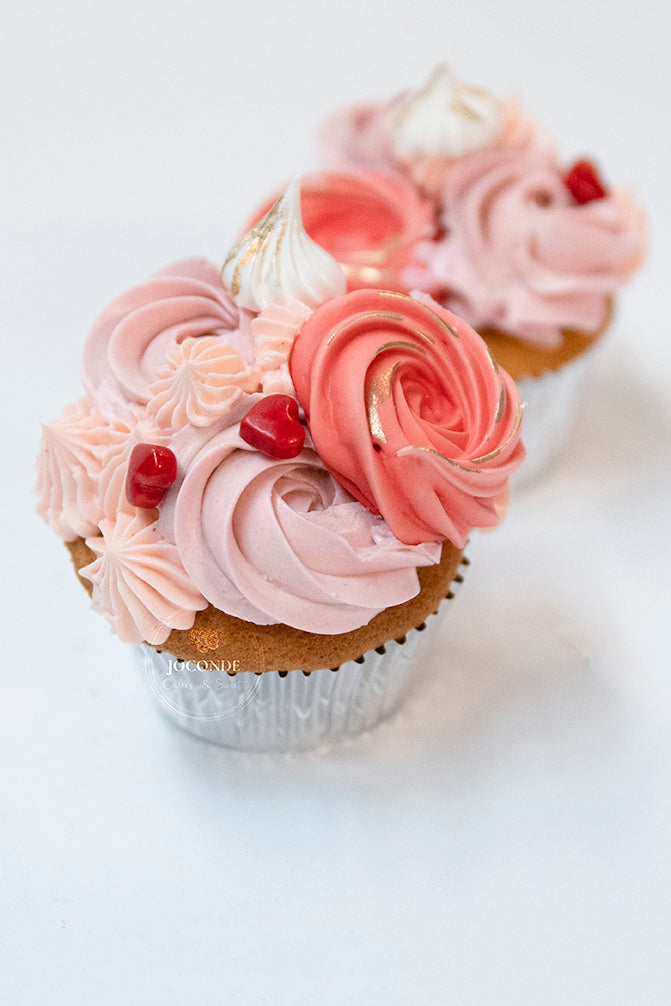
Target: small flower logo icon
point(204, 640)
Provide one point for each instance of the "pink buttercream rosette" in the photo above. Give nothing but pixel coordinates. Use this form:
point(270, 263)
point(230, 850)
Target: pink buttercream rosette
point(409, 412)
point(521, 255)
point(137, 339)
point(273, 541)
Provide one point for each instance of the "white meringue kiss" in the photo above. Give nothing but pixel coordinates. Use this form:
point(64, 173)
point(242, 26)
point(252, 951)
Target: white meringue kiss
point(276, 262)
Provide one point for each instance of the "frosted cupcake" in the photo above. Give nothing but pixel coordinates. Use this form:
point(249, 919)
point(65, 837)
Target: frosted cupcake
point(528, 250)
point(270, 479)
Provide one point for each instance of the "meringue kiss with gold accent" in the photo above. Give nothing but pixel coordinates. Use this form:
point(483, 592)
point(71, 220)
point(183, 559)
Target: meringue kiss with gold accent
point(276, 262)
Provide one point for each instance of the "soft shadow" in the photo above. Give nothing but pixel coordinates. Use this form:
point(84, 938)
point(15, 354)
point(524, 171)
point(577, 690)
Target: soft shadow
point(484, 698)
point(622, 433)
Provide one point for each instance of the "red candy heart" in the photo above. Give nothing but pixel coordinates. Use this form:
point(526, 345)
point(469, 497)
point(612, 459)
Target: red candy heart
point(272, 426)
point(584, 184)
point(151, 471)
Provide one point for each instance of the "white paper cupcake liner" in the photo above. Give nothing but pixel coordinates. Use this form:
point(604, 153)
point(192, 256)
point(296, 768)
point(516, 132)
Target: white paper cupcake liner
point(293, 711)
point(549, 410)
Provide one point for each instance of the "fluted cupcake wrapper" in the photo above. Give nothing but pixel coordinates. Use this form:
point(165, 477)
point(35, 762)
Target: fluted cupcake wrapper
point(286, 711)
point(550, 403)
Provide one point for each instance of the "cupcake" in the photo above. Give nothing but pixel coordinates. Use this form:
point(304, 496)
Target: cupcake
point(270, 479)
point(527, 249)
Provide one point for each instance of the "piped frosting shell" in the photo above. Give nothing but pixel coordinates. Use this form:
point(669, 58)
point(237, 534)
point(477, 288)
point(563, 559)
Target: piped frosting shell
point(276, 262)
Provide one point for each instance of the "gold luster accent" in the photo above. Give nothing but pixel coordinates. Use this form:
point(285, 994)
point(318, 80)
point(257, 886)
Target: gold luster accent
point(494, 365)
point(394, 293)
point(485, 457)
point(378, 390)
point(400, 345)
point(424, 336)
point(254, 241)
point(519, 408)
point(443, 457)
point(363, 316)
point(503, 401)
point(462, 108)
point(450, 328)
point(402, 296)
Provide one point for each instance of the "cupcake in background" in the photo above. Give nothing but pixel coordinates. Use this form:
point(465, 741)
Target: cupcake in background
point(422, 133)
point(529, 250)
point(270, 479)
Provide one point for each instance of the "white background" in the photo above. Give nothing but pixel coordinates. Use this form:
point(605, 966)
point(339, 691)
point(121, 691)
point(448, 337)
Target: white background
point(505, 839)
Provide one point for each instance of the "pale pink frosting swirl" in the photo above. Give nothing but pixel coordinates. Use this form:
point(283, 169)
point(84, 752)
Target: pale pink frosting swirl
point(132, 338)
point(521, 255)
point(408, 411)
point(72, 457)
point(273, 332)
point(199, 383)
point(357, 137)
point(139, 583)
point(280, 541)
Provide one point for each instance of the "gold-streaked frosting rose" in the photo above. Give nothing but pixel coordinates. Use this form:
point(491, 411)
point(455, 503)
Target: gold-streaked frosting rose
point(409, 412)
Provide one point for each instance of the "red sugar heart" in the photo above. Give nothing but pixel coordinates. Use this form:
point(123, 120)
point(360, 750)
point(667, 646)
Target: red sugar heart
point(272, 426)
point(584, 184)
point(151, 471)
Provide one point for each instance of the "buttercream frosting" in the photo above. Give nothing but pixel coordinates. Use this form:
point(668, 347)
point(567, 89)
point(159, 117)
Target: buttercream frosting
point(130, 340)
point(70, 463)
point(199, 383)
point(421, 133)
point(313, 541)
point(280, 541)
point(519, 254)
point(407, 409)
point(139, 583)
point(370, 222)
point(273, 332)
point(277, 262)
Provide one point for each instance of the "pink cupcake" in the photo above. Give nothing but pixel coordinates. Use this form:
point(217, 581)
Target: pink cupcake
point(530, 251)
point(271, 479)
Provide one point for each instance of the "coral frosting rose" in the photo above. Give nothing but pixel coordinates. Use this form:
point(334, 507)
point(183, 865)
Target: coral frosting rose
point(409, 413)
point(369, 222)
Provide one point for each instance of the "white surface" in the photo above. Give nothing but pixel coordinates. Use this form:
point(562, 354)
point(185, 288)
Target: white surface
point(505, 839)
